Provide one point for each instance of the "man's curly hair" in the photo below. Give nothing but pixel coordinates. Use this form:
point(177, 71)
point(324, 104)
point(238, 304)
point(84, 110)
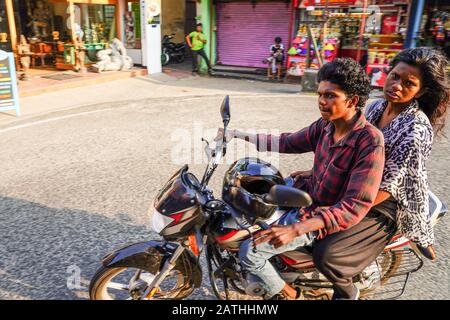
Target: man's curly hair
point(349, 76)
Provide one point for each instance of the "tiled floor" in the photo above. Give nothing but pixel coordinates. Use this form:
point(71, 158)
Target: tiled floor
point(38, 84)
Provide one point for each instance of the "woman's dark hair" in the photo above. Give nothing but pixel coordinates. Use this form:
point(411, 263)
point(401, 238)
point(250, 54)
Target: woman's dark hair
point(278, 40)
point(435, 83)
point(349, 76)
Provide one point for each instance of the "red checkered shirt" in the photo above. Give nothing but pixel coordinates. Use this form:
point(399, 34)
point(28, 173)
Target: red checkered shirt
point(346, 175)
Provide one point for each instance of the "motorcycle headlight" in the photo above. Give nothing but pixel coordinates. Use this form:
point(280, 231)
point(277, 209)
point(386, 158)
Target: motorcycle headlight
point(158, 221)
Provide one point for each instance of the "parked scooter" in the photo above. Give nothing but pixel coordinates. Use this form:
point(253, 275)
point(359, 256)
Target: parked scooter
point(192, 221)
point(171, 51)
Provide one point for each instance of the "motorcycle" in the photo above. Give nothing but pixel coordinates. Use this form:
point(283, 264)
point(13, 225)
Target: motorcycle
point(172, 51)
point(192, 221)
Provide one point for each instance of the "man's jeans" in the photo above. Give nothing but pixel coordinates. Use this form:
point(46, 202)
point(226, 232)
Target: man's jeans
point(257, 263)
point(195, 54)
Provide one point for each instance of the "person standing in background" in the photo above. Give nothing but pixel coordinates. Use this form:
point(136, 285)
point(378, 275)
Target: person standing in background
point(196, 40)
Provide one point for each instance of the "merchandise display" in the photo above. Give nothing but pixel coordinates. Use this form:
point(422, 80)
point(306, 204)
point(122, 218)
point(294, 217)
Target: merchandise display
point(372, 35)
point(327, 45)
point(60, 32)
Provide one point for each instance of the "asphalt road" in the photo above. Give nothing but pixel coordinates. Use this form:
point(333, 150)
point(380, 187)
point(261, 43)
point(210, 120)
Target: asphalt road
point(76, 184)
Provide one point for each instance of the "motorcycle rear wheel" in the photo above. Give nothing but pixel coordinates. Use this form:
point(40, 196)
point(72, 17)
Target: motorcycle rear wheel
point(173, 287)
point(180, 58)
point(388, 261)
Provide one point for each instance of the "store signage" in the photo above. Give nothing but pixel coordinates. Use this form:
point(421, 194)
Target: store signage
point(9, 97)
point(307, 3)
point(153, 11)
point(389, 24)
point(377, 74)
point(317, 13)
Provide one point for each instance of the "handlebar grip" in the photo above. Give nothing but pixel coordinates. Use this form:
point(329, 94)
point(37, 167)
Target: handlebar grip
point(224, 147)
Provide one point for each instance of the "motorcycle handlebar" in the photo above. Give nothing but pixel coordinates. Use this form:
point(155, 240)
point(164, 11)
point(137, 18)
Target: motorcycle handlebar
point(214, 156)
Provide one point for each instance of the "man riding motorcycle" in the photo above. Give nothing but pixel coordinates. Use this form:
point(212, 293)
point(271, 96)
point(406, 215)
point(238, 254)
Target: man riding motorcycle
point(348, 167)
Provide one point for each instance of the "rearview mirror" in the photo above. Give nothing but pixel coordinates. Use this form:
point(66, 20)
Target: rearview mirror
point(225, 110)
point(285, 196)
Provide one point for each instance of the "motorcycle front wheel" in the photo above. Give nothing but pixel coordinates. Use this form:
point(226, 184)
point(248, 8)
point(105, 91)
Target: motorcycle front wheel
point(220, 283)
point(130, 284)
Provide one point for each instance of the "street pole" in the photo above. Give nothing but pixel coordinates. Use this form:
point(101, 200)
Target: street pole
point(291, 22)
point(12, 24)
point(72, 23)
point(211, 31)
point(414, 23)
point(361, 31)
point(324, 34)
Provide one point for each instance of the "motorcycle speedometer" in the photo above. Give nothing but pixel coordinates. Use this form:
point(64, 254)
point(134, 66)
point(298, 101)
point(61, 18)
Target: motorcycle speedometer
point(192, 181)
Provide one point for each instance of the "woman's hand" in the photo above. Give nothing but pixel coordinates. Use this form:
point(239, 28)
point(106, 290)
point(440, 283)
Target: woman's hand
point(278, 235)
point(230, 135)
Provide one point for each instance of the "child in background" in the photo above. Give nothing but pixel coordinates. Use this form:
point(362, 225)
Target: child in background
point(276, 59)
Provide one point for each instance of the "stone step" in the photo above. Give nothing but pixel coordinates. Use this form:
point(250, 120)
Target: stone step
point(240, 70)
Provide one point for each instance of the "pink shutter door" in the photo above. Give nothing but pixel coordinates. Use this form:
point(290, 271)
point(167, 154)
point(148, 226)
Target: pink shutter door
point(245, 33)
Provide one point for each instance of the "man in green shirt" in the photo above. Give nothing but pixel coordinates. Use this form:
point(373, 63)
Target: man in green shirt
point(197, 44)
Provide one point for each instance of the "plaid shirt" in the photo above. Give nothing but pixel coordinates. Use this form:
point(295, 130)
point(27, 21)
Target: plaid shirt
point(346, 175)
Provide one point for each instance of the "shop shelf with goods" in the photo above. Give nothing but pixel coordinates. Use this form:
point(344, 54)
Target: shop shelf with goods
point(352, 42)
point(385, 32)
point(382, 47)
point(49, 28)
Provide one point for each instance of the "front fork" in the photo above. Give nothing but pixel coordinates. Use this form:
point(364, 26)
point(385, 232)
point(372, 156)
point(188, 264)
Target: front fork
point(168, 266)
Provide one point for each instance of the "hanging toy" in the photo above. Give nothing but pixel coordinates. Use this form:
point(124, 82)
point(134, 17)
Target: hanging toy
point(292, 51)
point(329, 50)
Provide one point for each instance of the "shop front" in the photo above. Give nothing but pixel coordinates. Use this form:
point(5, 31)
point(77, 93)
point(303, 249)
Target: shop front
point(370, 31)
point(52, 29)
point(245, 30)
point(8, 15)
point(132, 30)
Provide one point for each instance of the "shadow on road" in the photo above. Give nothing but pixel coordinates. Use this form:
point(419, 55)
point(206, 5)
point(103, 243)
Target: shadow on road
point(42, 248)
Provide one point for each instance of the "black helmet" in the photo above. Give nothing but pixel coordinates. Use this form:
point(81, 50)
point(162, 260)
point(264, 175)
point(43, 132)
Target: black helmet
point(244, 184)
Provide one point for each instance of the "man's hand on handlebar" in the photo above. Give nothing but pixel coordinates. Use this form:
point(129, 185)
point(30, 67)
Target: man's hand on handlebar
point(296, 175)
point(230, 135)
point(278, 235)
point(233, 133)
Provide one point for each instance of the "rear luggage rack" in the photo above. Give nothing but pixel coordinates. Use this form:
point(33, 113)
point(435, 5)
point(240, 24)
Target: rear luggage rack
point(395, 285)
